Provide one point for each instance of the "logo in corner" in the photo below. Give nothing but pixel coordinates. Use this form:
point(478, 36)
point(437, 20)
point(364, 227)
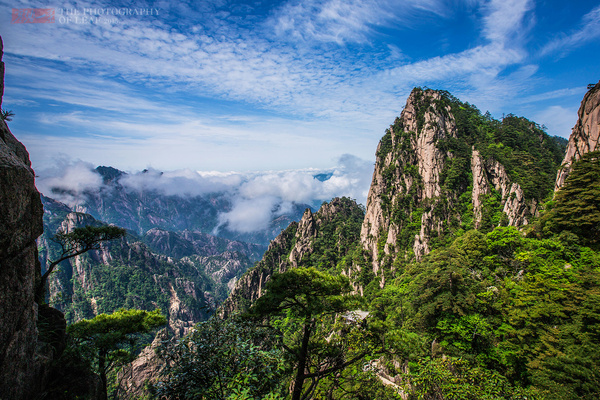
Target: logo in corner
point(33, 15)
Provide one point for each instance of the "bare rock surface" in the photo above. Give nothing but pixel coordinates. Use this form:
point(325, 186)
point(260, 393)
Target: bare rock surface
point(20, 225)
point(585, 136)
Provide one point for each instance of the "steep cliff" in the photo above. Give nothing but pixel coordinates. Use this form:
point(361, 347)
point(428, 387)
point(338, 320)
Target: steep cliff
point(326, 240)
point(442, 166)
point(585, 136)
point(21, 354)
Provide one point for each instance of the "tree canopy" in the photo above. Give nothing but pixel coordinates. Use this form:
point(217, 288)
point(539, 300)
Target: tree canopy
point(222, 359)
point(303, 304)
point(111, 338)
point(576, 205)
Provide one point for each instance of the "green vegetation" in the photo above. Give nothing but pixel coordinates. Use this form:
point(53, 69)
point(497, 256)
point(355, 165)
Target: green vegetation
point(222, 359)
point(299, 304)
point(76, 242)
point(109, 340)
point(531, 157)
point(6, 115)
point(576, 206)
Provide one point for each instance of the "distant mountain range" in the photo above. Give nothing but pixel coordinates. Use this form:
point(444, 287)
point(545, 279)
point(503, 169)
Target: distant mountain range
point(141, 208)
point(177, 256)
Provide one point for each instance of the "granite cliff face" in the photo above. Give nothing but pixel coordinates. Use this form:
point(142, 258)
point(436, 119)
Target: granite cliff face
point(585, 136)
point(407, 167)
point(22, 355)
point(441, 167)
point(428, 167)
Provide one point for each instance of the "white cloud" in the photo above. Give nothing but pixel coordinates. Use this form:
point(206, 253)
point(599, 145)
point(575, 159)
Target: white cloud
point(555, 94)
point(68, 181)
point(249, 215)
point(256, 198)
point(505, 19)
point(329, 21)
point(177, 183)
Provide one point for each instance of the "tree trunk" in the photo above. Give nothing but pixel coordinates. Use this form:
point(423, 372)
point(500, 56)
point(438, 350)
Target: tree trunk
point(103, 379)
point(302, 357)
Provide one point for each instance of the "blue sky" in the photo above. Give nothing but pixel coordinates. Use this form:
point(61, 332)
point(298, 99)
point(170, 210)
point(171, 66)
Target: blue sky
point(280, 85)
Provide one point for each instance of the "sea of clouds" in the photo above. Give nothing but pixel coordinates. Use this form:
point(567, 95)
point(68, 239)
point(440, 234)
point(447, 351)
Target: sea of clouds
point(256, 198)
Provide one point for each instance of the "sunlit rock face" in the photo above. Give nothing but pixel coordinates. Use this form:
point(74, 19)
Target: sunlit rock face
point(585, 136)
point(408, 176)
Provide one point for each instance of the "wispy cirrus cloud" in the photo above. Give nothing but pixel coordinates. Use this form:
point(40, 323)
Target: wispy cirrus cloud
point(504, 20)
point(589, 30)
point(328, 71)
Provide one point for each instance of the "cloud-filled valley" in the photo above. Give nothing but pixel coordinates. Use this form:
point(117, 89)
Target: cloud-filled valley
point(254, 199)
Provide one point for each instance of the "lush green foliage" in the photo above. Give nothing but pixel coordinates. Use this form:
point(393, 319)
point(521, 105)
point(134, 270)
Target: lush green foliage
point(112, 339)
point(522, 309)
point(530, 156)
point(576, 206)
point(302, 305)
point(222, 359)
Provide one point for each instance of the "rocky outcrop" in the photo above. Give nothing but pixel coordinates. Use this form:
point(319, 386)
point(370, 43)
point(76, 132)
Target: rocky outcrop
point(334, 224)
point(307, 231)
point(409, 163)
point(585, 136)
point(490, 173)
point(421, 184)
point(146, 368)
point(251, 285)
point(21, 355)
point(480, 185)
point(518, 210)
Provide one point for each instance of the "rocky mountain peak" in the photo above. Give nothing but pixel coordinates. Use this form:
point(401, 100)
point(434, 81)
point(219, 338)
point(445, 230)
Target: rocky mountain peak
point(444, 166)
point(307, 230)
point(430, 119)
point(109, 174)
point(408, 167)
point(585, 136)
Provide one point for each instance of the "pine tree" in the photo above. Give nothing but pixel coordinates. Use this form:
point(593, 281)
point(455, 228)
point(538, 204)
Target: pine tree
point(577, 203)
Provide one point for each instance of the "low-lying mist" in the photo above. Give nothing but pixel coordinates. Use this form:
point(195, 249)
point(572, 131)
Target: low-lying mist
point(255, 198)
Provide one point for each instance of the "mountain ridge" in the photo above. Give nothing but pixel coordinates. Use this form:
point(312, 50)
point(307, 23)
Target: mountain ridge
point(437, 171)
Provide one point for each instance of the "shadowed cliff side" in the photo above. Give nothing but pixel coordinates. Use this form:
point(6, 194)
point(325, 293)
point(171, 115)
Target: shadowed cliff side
point(21, 356)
